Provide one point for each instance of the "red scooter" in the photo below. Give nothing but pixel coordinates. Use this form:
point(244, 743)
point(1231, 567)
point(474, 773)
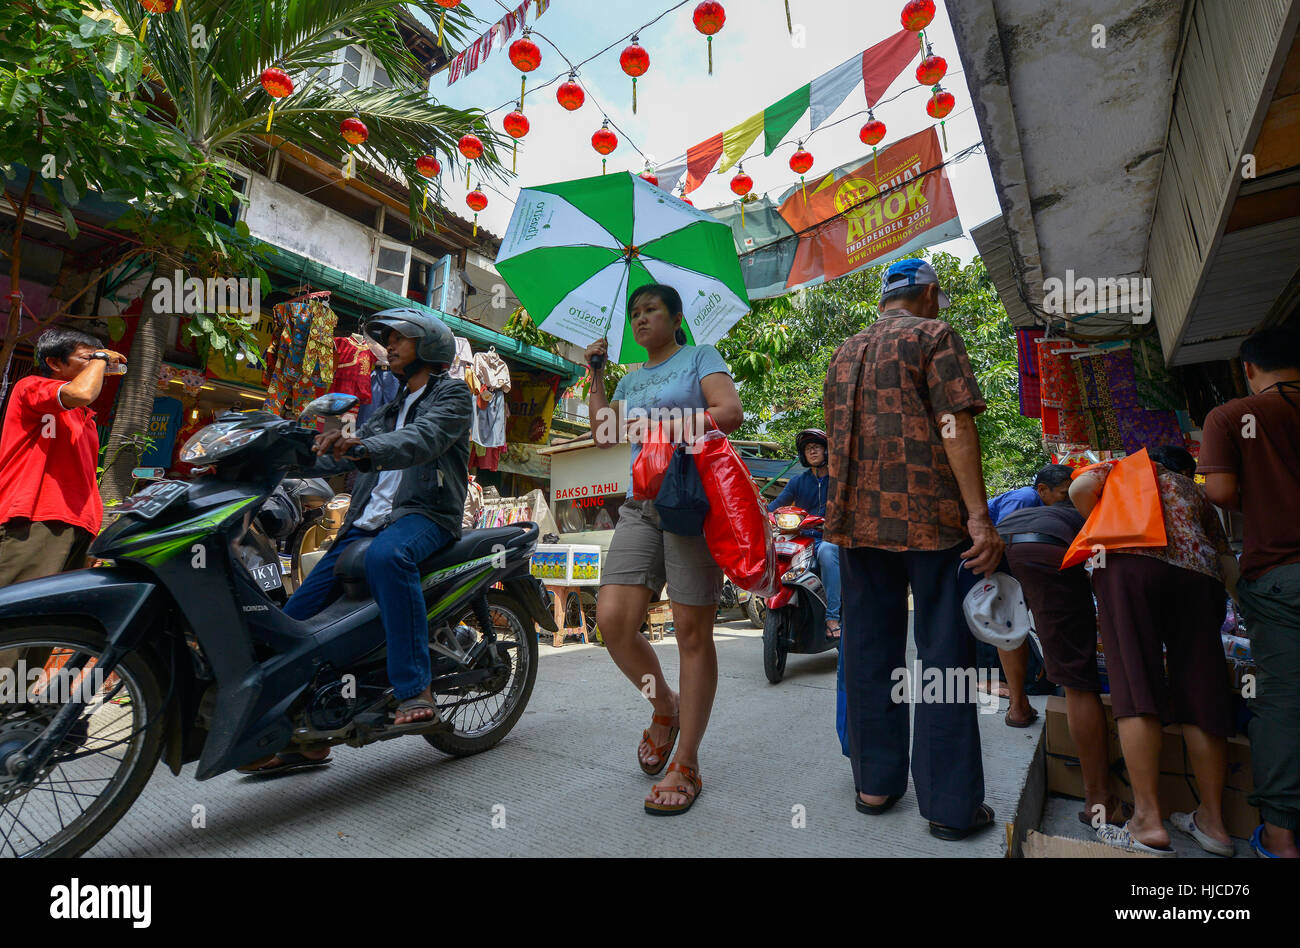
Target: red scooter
point(796, 615)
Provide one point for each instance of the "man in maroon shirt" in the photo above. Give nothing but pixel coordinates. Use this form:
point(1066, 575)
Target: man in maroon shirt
point(1250, 456)
point(49, 500)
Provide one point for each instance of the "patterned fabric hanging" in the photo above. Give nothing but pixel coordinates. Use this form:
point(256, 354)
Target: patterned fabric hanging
point(1027, 347)
point(1156, 387)
point(300, 366)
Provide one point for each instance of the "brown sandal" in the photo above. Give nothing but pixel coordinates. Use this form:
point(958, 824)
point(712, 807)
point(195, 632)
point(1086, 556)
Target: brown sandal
point(691, 791)
point(662, 751)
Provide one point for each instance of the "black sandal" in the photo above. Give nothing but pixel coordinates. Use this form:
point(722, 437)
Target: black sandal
point(283, 763)
point(875, 809)
point(983, 820)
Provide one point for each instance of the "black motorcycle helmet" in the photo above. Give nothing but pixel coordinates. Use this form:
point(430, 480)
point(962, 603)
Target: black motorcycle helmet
point(806, 437)
point(437, 344)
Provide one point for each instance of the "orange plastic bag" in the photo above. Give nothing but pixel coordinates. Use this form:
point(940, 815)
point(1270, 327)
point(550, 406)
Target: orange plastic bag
point(1128, 514)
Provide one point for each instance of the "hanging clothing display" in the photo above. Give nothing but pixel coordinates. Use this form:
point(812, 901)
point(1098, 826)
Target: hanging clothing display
point(1156, 386)
point(485, 459)
point(300, 364)
point(383, 389)
point(491, 371)
point(464, 359)
point(1031, 405)
point(489, 424)
point(353, 363)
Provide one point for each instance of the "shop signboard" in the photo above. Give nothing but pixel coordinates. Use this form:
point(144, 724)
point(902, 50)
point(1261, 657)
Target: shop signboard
point(243, 373)
point(532, 404)
point(586, 473)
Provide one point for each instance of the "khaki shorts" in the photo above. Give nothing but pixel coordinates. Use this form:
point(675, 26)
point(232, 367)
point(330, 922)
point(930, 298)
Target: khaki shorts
point(643, 554)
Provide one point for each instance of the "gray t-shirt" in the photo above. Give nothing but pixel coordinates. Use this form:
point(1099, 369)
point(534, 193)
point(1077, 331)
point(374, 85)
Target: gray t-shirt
point(673, 383)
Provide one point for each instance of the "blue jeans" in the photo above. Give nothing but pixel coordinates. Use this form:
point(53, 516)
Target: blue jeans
point(828, 568)
point(393, 572)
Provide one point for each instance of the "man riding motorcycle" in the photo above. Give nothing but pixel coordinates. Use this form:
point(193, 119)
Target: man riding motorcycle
point(809, 490)
point(413, 456)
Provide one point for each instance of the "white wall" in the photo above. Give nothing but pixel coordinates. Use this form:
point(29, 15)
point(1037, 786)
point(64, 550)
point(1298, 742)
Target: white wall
point(283, 217)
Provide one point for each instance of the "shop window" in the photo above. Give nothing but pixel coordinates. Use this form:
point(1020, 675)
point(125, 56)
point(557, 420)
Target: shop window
point(392, 261)
point(351, 68)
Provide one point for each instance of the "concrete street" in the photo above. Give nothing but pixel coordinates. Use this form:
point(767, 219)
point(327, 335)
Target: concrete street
point(567, 784)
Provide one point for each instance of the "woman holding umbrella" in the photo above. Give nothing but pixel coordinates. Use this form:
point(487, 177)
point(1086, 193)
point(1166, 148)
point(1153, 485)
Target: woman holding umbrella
point(684, 380)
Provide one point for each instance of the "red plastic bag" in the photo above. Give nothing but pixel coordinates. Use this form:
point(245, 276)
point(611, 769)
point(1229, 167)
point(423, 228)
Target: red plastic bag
point(735, 528)
point(650, 465)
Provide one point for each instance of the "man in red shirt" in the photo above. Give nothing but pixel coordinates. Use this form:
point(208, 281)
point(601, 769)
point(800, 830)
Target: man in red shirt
point(49, 500)
point(1250, 456)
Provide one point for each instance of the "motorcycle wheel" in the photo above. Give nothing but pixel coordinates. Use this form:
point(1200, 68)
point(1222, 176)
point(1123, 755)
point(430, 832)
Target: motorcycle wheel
point(756, 611)
point(580, 611)
point(108, 766)
point(480, 722)
point(774, 648)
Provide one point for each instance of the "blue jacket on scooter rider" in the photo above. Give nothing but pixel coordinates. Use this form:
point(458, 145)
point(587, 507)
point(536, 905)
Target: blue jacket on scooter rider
point(805, 489)
point(808, 491)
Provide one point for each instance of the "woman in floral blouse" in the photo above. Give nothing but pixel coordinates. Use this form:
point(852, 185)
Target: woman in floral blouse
point(1160, 610)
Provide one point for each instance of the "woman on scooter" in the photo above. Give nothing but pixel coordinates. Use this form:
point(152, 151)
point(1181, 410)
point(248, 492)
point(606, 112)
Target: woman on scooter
point(808, 490)
point(642, 557)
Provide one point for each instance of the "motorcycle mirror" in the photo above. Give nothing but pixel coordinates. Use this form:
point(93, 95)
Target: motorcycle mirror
point(329, 406)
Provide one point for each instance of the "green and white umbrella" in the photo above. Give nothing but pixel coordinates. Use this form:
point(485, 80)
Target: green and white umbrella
point(576, 251)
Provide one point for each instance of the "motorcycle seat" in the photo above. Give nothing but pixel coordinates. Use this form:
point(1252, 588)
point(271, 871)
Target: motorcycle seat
point(350, 569)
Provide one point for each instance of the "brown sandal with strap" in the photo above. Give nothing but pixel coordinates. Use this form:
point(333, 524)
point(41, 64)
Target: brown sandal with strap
point(691, 791)
point(662, 751)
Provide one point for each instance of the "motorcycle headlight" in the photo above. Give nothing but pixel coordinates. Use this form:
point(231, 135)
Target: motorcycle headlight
point(218, 440)
point(788, 521)
point(802, 560)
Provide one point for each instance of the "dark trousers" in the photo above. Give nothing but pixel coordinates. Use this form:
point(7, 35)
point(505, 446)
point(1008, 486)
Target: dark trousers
point(393, 572)
point(945, 753)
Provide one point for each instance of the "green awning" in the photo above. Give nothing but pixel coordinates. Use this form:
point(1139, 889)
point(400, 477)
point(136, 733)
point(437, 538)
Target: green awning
point(371, 298)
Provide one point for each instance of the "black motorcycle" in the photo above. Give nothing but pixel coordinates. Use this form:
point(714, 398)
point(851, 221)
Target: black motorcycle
point(173, 650)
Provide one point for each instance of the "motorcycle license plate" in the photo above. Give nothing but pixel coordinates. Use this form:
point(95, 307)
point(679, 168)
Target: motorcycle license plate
point(151, 501)
point(267, 576)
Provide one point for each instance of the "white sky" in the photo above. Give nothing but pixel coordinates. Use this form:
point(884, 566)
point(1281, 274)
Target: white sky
point(755, 63)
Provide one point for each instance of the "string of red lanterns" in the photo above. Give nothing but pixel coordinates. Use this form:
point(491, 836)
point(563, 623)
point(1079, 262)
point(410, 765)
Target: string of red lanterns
point(742, 184)
point(429, 167)
point(516, 125)
point(471, 146)
point(354, 132)
point(153, 8)
point(800, 162)
point(277, 84)
point(476, 200)
point(570, 94)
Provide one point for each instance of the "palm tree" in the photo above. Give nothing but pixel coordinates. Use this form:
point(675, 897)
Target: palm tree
point(203, 64)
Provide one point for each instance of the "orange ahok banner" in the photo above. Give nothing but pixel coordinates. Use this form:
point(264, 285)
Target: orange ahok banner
point(1129, 513)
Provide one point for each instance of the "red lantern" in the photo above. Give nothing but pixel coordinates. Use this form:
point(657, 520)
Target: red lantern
point(477, 200)
point(527, 56)
point(742, 184)
point(471, 147)
point(635, 61)
point(650, 176)
point(917, 15)
point(277, 84)
point(570, 94)
point(801, 161)
point(709, 18)
point(151, 7)
point(940, 105)
point(354, 131)
point(446, 5)
point(428, 166)
point(931, 70)
point(516, 125)
point(604, 141)
point(872, 132)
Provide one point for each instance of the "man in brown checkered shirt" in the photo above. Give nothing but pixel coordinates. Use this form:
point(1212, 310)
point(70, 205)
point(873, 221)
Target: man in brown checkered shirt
point(908, 507)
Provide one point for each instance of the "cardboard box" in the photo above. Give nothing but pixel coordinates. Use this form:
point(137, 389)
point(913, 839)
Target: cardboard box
point(1177, 788)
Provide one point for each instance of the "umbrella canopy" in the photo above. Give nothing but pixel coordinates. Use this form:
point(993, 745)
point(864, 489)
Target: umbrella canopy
point(576, 251)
